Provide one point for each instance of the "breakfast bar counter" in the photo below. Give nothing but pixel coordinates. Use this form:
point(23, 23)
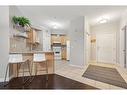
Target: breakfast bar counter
point(29, 57)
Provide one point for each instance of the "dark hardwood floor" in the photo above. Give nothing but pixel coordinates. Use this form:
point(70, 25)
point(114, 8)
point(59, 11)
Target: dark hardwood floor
point(54, 82)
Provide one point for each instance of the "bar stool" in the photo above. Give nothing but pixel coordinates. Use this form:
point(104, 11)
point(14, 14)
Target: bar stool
point(18, 60)
point(40, 58)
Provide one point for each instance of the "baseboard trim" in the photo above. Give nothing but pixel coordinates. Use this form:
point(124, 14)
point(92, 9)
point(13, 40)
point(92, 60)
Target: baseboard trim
point(7, 79)
point(2, 79)
point(76, 66)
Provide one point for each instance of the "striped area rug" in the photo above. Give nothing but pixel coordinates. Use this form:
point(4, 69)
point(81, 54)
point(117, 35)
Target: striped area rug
point(106, 75)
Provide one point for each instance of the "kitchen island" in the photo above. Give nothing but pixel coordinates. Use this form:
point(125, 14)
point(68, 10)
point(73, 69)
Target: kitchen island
point(28, 56)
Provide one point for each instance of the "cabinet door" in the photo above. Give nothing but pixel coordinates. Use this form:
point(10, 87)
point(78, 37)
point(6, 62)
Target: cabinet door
point(52, 39)
point(55, 38)
point(34, 36)
point(30, 37)
point(64, 53)
point(63, 40)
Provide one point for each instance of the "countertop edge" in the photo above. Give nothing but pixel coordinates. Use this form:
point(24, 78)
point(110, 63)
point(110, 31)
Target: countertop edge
point(31, 52)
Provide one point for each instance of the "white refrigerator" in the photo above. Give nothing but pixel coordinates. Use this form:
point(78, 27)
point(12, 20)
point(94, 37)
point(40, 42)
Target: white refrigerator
point(68, 50)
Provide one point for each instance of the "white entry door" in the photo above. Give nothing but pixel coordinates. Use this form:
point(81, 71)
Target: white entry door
point(106, 48)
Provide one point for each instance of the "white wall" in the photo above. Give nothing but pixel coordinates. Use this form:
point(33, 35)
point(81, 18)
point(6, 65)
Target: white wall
point(4, 40)
point(76, 36)
point(107, 28)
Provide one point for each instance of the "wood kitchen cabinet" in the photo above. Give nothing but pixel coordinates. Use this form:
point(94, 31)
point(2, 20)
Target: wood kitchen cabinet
point(32, 37)
point(64, 53)
point(55, 38)
point(61, 39)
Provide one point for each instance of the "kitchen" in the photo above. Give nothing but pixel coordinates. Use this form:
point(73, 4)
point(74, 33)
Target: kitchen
point(26, 41)
point(32, 38)
point(36, 36)
point(44, 33)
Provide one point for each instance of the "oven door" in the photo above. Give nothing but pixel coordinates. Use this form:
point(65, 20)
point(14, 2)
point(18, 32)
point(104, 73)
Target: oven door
point(57, 52)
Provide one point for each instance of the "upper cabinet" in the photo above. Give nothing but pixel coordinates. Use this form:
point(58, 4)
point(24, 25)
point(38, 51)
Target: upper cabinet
point(58, 39)
point(55, 39)
point(33, 37)
point(63, 40)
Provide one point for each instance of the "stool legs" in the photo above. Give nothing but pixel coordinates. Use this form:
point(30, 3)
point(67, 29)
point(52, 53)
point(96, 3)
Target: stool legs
point(46, 70)
point(30, 70)
point(28, 80)
point(35, 69)
point(17, 73)
point(17, 70)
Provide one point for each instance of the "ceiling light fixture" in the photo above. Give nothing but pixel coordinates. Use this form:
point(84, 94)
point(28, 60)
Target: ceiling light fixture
point(54, 24)
point(103, 21)
point(55, 27)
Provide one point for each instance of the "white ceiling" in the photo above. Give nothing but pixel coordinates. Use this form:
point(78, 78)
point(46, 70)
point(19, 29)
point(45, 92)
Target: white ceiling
point(63, 14)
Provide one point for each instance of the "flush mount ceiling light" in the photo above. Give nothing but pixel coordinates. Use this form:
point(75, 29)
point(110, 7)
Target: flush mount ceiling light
point(55, 25)
point(103, 19)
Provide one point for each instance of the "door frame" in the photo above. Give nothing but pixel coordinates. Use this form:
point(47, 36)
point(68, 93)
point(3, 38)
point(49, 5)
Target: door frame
point(124, 30)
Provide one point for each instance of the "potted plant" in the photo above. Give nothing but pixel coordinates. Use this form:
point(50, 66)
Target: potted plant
point(22, 21)
point(15, 20)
